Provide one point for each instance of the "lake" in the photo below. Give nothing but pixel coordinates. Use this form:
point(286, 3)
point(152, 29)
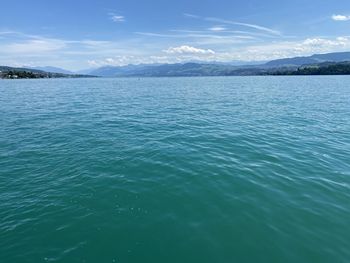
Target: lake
point(223, 169)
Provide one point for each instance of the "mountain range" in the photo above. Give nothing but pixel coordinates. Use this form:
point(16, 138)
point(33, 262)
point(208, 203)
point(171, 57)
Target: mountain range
point(314, 59)
point(218, 69)
point(286, 66)
point(54, 70)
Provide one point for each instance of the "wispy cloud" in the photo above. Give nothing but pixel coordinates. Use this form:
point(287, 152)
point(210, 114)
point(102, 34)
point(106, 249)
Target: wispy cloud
point(35, 46)
point(236, 23)
point(304, 47)
point(191, 15)
point(17, 48)
point(116, 18)
point(257, 27)
point(217, 28)
point(174, 46)
point(8, 32)
point(150, 34)
point(112, 55)
point(223, 32)
point(257, 52)
point(341, 17)
point(188, 34)
point(15, 43)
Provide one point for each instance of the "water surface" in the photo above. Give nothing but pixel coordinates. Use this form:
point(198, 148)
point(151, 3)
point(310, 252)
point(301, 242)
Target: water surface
point(235, 169)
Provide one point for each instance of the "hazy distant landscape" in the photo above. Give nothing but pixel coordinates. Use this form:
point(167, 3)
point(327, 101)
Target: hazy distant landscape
point(29, 73)
point(322, 64)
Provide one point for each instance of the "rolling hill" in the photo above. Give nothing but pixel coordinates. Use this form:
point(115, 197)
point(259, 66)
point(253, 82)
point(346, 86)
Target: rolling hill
point(29, 73)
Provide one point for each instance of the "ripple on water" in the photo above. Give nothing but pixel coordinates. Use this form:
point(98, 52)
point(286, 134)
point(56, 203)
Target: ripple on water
point(249, 169)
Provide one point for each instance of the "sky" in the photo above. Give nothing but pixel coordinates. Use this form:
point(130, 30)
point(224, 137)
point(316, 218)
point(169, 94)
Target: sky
point(79, 34)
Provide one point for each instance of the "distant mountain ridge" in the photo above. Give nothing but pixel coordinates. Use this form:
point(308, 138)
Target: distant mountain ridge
point(197, 68)
point(314, 59)
point(216, 69)
point(53, 70)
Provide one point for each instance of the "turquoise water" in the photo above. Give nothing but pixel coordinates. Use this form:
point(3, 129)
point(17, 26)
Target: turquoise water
point(241, 169)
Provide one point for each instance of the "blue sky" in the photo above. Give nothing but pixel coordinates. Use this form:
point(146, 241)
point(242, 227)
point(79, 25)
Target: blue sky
point(83, 34)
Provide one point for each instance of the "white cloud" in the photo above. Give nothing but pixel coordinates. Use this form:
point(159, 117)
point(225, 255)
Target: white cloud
point(25, 49)
point(117, 18)
point(217, 28)
point(257, 27)
point(35, 46)
point(340, 18)
point(131, 59)
point(326, 43)
point(111, 61)
point(8, 32)
point(257, 52)
point(188, 50)
point(193, 35)
point(286, 49)
point(191, 15)
point(150, 34)
point(229, 22)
